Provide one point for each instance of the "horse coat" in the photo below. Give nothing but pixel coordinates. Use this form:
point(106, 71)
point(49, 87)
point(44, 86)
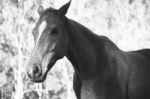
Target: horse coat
point(102, 70)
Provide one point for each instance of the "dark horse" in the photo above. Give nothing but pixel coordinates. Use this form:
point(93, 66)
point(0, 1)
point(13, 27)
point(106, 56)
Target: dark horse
point(102, 70)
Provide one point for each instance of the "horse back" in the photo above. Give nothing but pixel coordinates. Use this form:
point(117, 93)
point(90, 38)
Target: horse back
point(138, 74)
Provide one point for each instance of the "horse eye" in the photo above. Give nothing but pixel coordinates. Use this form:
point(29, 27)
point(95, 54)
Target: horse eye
point(54, 31)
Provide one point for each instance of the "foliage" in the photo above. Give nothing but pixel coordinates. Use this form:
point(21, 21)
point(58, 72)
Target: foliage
point(126, 22)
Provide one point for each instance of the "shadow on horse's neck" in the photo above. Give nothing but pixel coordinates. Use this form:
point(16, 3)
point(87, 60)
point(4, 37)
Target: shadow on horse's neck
point(86, 50)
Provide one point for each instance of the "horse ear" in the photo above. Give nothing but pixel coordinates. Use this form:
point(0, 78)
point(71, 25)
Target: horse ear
point(63, 10)
point(40, 10)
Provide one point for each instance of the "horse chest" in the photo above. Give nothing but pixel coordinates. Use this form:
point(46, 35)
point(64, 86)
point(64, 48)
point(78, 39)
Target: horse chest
point(87, 91)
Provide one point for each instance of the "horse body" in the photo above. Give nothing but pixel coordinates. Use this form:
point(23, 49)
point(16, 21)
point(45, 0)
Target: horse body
point(139, 80)
point(96, 64)
point(102, 70)
point(106, 71)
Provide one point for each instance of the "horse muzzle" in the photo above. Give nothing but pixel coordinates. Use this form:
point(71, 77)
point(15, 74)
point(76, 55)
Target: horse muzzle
point(35, 74)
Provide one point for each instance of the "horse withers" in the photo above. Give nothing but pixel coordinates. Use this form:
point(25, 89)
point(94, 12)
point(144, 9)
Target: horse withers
point(102, 70)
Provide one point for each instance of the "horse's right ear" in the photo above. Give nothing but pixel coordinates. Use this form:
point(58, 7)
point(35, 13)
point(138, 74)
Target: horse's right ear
point(40, 10)
point(63, 10)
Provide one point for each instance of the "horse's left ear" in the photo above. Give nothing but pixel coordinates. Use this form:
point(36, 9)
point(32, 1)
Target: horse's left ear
point(63, 10)
point(40, 10)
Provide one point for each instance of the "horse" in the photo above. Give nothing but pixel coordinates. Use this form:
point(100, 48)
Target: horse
point(102, 70)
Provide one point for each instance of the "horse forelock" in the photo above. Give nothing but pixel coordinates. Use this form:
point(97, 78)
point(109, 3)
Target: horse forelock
point(50, 9)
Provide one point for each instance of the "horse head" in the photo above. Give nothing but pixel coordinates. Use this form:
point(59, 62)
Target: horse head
point(51, 42)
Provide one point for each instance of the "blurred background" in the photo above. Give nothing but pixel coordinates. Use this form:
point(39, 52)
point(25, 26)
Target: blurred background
point(125, 22)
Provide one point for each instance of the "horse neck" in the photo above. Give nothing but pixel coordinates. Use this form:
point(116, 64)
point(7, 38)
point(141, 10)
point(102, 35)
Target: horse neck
point(84, 49)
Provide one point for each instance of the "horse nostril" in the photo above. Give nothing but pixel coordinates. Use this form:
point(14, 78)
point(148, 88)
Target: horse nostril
point(35, 71)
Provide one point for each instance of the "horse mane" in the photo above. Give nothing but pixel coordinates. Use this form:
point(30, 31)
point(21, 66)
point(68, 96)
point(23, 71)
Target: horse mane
point(88, 33)
point(80, 27)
